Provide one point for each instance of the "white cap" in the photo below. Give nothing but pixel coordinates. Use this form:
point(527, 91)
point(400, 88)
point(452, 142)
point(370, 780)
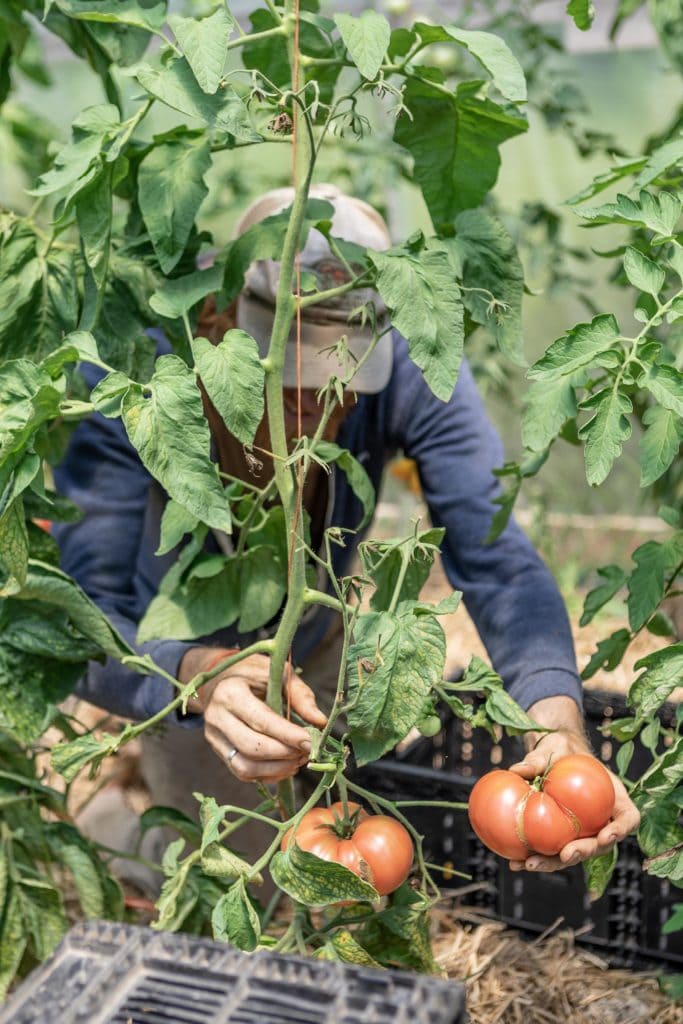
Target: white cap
point(323, 324)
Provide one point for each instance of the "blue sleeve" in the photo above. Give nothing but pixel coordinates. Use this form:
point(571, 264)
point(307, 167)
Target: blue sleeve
point(507, 589)
point(103, 475)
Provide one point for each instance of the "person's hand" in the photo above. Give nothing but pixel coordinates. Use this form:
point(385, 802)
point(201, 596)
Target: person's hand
point(625, 817)
point(254, 741)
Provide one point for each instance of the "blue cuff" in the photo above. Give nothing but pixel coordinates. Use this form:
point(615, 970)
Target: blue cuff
point(159, 691)
point(548, 682)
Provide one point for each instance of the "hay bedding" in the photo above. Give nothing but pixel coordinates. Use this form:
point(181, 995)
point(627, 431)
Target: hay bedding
point(549, 980)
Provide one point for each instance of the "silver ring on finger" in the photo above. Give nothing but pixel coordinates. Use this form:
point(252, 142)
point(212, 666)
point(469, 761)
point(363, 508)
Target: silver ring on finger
point(231, 757)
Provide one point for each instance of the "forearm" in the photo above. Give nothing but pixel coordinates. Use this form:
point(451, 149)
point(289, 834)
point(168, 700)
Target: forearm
point(560, 713)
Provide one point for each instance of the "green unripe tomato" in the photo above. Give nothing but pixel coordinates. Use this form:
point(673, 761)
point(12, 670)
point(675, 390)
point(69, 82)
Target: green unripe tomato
point(430, 725)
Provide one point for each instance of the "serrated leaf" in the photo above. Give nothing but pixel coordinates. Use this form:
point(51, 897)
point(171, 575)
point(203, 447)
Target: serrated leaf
point(174, 298)
point(366, 38)
point(598, 871)
point(193, 608)
point(13, 939)
point(94, 217)
point(350, 951)
point(176, 86)
point(233, 377)
point(605, 432)
point(171, 189)
point(658, 213)
point(69, 758)
point(382, 562)
point(549, 404)
point(171, 434)
point(659, 444)
point(149, 14)
point(204, 42)
point(424, 301)
point(393, 662)
point(315, 882)
point(659, 161)
point(643, 273)
point(576, 349)
point(655, 562)
point(235, 920)
point(358, 479)
point(504, 709)
point(454, 143)
point(175, 523)
point(28, 398)
point(489, 260)
point(45, 630)
point(86, 878)
point(663, 673)
point(665, 384)
point(42, 909)
point(608, 654)
point(219, 862)
point(490, 50)
point(614, 577)
point(170, 817)
point(13, 548)
point(109, 392)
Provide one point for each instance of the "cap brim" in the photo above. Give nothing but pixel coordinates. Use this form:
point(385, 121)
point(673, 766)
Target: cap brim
point(319, 360)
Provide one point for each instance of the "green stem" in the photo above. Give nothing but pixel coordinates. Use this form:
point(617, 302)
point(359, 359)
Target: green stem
point(405, 562)
point(283, 29)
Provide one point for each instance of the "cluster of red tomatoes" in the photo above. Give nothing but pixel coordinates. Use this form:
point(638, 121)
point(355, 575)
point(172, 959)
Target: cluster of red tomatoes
point(573, 800)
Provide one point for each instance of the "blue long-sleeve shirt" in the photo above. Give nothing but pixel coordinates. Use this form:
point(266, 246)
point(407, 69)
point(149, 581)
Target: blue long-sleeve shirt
point(507, 589)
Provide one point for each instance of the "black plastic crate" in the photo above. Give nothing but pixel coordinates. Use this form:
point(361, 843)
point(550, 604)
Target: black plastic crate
point(624, 925)
point(107, 973)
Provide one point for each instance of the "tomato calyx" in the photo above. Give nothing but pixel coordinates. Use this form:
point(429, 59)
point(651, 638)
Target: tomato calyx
point(343, 826)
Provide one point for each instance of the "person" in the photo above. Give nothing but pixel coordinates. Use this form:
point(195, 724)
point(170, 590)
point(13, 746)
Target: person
point(230, 737)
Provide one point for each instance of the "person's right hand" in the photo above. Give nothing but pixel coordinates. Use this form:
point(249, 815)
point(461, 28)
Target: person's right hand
point(254, 741)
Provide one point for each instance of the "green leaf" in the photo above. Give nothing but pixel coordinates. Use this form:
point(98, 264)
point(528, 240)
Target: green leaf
point(614, 577)
point(235, 920)
point(359, 481)
point(171, 434)
point(174, 298)
point(219, 862)
point(490, 50)
point(382, 562)
point(664, 672)
point(624, 757)
point(659, 444)
point(674, 924)
point(454, 140)
point(13, 548)
point(171, 817)
point(350, 951)
point(69, 758)
point(108, 394)
point(47, 583)
point(657, 213)
point(263, 585)
point(148, 14)
point(45, 630)
point(264, 241)
point(605, 432)
point(583, 12)
point(204, 43)
point(577, 348)
point(315, 882)
point(175, 85)
point(86, 878)
point(665, 384)
point(655, 564)
point(503, 709)
point(490, 261)
point(13, 939)
point(399, 935)
point(43, 912)
point(194, 608)
point(393, 663)
point(30, 688)
point(78, 163)
point(643, 273)
point(28, 398)
point(549, 404)
point(94, 216)
point(423, 298)
point(608, 654)
point(39, 300)
point(233, 377)
point(175, 523)
point(598, 871)
point(366, 38)
point(171, 189)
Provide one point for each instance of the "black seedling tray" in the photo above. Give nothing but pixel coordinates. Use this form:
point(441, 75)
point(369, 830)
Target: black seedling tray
point(624, 925)
point(108, 973)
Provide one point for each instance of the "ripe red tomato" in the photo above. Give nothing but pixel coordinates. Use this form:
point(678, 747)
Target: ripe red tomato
point(375, 847)
point(574, 799)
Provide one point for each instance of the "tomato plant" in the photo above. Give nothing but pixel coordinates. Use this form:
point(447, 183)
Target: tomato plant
point(108, 248)
point(514, 818)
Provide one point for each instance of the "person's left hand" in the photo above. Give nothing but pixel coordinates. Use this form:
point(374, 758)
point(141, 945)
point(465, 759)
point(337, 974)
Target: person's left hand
point(625, 817)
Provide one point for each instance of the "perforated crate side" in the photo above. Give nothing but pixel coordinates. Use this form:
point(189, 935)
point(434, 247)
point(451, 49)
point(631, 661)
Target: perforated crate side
point(104, 973)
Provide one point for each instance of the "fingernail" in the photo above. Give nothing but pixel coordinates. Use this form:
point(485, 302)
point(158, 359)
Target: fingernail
point(305, 745)
point(574, 859)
